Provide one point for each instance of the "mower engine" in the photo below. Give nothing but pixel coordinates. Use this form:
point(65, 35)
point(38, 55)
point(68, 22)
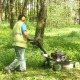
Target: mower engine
point(58, 56)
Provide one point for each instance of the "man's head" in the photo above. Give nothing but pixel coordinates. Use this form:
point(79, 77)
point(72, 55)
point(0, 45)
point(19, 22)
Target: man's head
point(22, 17)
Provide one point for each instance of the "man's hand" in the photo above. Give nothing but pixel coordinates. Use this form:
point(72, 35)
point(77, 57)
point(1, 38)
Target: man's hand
point(32, 42)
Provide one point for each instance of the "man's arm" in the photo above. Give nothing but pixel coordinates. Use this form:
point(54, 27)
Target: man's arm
point(25, 32)
point(26, 35)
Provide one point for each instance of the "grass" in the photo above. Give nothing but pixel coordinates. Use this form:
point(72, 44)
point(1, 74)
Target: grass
point(63, 39)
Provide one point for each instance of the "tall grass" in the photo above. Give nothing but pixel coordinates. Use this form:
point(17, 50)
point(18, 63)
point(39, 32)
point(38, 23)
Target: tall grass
point(62, 39)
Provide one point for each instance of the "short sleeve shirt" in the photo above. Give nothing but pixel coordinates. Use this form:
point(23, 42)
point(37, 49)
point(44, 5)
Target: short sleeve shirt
point(24, 27)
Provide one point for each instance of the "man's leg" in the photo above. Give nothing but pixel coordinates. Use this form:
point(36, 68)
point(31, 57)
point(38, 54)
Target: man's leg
point(19, 60)
point(22, 60)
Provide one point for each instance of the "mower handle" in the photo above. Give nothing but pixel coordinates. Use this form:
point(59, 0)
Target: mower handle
point(37, 43)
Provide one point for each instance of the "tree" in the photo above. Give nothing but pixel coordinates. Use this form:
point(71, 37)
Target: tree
point(7, 9)
point(79, 10)
point(12, 13)
point(1, 2)
point(24, 10)
point(42, 15)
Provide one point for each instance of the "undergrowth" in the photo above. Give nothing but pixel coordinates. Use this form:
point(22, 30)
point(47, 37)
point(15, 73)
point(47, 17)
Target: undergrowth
point(63, 39)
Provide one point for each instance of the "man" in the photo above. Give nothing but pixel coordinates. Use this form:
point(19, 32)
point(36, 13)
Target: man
point(20, 37)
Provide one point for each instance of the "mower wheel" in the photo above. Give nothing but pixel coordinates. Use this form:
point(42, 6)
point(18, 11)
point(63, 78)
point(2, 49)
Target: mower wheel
point(57, 66)
point(77, 65)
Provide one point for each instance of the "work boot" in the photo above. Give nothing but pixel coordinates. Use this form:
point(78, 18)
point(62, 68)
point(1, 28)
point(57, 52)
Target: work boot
point(7, 70)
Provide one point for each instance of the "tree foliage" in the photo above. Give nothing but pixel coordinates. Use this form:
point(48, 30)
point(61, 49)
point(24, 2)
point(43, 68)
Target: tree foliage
point(58, 14)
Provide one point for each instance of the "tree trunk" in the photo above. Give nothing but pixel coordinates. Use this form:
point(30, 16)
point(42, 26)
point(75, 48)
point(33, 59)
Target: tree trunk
point(1, 1)
point(24, 10)
point(7, 10)
point(39, 34)
point(16, 7)
point(12, 12)
point(79, 11)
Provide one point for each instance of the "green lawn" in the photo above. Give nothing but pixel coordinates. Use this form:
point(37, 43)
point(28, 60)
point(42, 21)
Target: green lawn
point(42, 74)
point(63, 39)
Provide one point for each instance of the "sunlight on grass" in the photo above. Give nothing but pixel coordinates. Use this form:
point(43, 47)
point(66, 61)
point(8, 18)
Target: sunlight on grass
point(59, 32)
point(42, 74)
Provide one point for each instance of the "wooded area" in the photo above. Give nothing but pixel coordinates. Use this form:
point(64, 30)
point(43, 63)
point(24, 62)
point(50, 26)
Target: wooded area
point(56, 25)
point(40, 11)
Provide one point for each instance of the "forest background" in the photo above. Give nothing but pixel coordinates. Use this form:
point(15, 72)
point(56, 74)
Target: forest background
point(60, 31)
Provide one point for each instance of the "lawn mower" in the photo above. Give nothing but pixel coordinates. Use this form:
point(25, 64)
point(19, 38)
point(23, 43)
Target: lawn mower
point(58, 59)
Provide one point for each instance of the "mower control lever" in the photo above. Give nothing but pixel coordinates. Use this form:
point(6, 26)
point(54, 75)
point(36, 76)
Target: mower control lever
point(45, 55)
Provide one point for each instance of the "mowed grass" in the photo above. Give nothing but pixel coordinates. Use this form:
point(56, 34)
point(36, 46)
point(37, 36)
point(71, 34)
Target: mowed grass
point(62, 39)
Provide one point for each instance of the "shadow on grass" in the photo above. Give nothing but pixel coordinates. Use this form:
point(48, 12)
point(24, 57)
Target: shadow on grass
point(70, 41)
point(35, 59)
